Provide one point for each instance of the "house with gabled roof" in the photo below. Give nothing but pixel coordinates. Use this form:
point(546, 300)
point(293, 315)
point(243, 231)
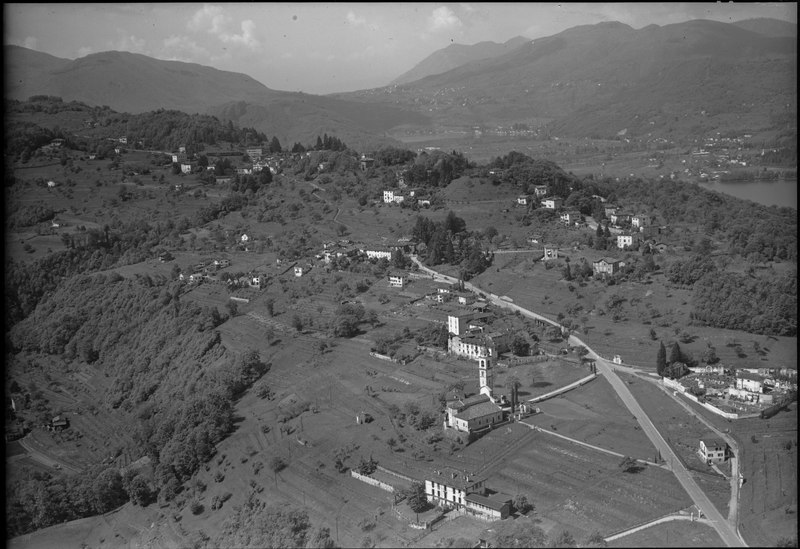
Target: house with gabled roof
point(606, 266)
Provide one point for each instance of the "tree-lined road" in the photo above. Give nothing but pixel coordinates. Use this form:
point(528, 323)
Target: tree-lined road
point(727, 531)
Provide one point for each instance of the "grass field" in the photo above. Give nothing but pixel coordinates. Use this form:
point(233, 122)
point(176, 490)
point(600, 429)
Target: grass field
point(683, 433)
point(594, 414)
point(583, 490)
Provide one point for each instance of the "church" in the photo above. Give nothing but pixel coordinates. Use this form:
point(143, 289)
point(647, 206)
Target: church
point(478, 411)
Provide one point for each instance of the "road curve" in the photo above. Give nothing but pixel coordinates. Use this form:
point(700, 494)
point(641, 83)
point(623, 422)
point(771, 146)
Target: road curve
point(726, 531)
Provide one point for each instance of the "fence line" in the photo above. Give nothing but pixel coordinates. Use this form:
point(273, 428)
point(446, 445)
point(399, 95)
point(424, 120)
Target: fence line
point(372, 481)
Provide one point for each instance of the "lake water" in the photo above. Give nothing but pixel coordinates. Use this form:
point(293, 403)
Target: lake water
point(769, 193)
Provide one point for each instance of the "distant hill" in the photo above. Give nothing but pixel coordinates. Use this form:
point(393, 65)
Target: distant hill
point(456, 55)
point(769, 27)
point(598, 80)
point(134, 83)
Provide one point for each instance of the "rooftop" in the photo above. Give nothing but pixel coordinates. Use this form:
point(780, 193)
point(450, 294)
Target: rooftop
point(479, 410)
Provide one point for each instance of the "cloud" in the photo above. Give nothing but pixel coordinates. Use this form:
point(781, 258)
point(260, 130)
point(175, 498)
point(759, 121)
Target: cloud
point(129, 43)
point(209, 18)
point(246, 38)
point(355, 20)
point(443, 18)
point(183, 48)
point(215, 21)
point(30, 42)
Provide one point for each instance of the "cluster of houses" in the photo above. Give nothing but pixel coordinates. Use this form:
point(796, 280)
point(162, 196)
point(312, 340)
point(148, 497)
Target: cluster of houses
point(631, 229)
point(259, 161)
point(763, 386)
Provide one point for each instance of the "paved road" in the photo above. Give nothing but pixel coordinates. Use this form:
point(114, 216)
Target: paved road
point(725, 530)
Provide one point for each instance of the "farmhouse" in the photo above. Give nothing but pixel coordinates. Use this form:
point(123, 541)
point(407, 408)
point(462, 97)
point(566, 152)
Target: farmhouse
point(606, 266)
point(609, 209)
point(550, 253)
point(640, 221)
point(626, 240)
point(397, 280)
point(377, 252)
point(298, 271)
point(552, 203)
point(618, 218)
point(523, 200)
point(388, 196)
point(571, 217)
point(186, 168)
point(491, 506)
point(451, 488)
point(51, 184)
point(456, 489)
point(713, 450)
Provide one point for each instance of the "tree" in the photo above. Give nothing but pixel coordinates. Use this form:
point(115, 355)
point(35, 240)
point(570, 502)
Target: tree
point(275, 145)
point(520, 346)
point(661, 360)
point(629, 465)
point(522, 505)
point(297, 324)
point(675, 354)
point(417, 499)
point(108, 490)
point(277, 464)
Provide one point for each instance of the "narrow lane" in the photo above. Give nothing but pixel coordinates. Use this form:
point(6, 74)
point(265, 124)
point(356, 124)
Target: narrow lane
point(727, 532)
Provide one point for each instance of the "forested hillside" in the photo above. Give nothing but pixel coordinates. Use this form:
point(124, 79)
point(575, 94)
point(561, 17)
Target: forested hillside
point(170, 372)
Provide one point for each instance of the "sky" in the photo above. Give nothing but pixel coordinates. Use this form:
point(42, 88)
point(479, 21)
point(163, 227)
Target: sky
point(324, 48)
